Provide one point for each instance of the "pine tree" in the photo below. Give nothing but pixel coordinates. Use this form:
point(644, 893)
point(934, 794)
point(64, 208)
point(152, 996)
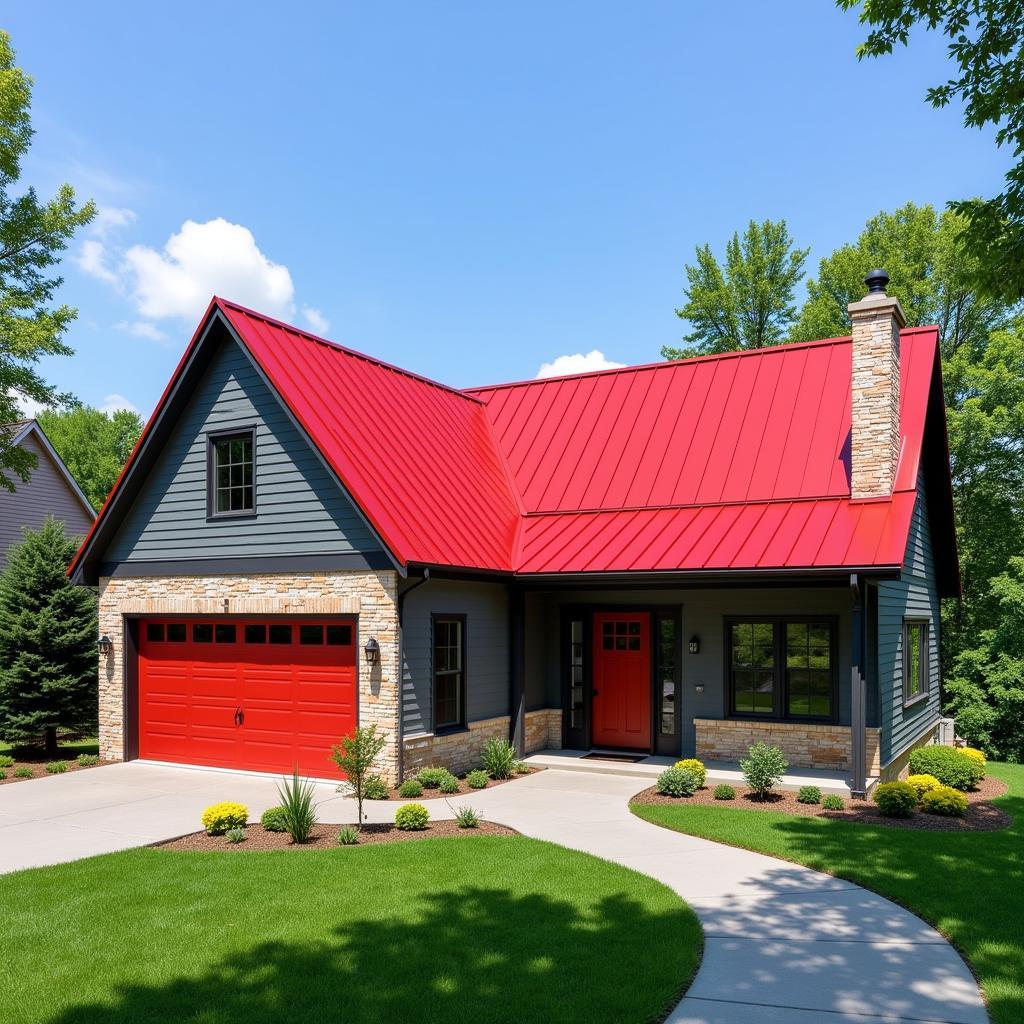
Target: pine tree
point(47, 642)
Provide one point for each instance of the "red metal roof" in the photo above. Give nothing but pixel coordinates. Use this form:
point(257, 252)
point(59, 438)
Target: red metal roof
point(732, 462)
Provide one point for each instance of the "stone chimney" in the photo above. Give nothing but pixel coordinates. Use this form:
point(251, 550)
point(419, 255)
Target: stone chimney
point(875, 406)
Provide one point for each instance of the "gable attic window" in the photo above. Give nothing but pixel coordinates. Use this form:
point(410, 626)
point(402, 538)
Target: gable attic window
point(230, 474)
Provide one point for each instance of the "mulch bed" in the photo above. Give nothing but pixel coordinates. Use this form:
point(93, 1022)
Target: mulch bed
point(325, 837)
point(981, 816)
point(37, 765)
point(464, 788)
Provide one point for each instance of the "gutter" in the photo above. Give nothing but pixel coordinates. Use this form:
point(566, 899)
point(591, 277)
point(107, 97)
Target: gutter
point(402, 595)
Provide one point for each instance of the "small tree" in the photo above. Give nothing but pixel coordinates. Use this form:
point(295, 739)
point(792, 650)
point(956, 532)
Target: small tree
point(763, 768)
point(355, 756)
point(47, 641)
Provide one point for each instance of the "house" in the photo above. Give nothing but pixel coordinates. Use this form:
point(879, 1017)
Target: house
point(51, 490)
point(680, 558)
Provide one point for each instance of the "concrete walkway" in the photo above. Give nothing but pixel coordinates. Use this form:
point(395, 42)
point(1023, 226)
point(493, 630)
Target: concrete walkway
point(783, 943)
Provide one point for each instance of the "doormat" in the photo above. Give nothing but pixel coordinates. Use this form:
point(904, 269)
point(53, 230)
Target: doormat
point(625, 758)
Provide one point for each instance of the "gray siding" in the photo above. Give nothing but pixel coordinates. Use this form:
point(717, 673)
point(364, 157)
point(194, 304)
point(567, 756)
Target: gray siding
point(915, 594)
point(300, 509)
point(703, 615)
point(45, 493)
point(485, 606)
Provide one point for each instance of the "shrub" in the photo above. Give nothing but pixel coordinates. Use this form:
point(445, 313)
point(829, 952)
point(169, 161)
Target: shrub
point(895, 799)
point(725, 792)
point(833, 803)
point(922, 784)
point(466, 817)
point(449, 784)
point(375, 788)
point(431, 778)
point(87, 760)
point(348, 836)
point(296, 797)
point(691, 764)
point(3, 774)
point(412, 817)
point(763, 768)
point(273, 819)
point(218, 818)
point(355, 756)
point(522, 768)
point(976, 756)
point(235, 836)
point(809, 795)
point(948, 765)
point(944, 800)
point(477, 779)
point(57, 767)
point(499, 758)
point(6, 761)
point(410, 788)
point(23, 772)
point(677, 782)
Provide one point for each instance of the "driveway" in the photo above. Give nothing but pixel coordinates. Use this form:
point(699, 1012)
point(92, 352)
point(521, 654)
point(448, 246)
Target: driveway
point(783, 944)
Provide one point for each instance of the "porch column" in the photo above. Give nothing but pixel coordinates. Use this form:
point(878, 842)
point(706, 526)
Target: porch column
point(517, 661)
point(858, 696)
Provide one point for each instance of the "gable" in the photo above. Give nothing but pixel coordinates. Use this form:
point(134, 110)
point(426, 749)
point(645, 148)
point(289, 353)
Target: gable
point(300, 509)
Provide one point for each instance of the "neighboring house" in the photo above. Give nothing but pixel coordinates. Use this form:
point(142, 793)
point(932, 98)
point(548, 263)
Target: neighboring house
point(678, 559)
point(51, 490)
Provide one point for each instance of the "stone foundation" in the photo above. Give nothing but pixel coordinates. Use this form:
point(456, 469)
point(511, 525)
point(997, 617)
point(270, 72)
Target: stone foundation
point(372, 595)
point(899, 767)
point(804, 745)
point(543, 729)
point(459, 751)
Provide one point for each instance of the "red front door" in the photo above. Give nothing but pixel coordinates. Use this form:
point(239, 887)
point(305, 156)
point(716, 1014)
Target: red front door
point(621, 711)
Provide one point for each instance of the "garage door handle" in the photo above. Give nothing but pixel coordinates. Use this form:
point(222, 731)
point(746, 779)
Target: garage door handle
point(239, 716)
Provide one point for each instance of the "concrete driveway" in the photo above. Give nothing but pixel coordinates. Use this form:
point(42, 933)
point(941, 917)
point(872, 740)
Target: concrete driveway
point(783, 944)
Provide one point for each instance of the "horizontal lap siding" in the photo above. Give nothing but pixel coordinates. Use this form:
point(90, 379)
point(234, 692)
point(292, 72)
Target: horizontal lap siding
point(916, 594)
point(300, 509)
point(485, 606)
point(45, 493)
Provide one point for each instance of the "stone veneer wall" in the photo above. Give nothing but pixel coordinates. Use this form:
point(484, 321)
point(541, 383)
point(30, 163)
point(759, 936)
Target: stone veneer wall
point(899, 766)
point(372, 595)
point(460, 751)
point(805, 745)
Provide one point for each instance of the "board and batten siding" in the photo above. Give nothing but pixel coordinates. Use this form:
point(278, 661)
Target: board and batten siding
point(486, 608)
point(46, 492)
point(300, 509)
point(915, 595)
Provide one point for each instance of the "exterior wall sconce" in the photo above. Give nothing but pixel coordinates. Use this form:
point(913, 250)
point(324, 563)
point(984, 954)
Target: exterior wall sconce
point(699, 688)
point(372, 651)
point(694, 645)
point(105, 645)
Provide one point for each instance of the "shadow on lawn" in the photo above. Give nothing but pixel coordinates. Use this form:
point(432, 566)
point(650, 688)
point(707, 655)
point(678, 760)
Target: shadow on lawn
point(472, 955)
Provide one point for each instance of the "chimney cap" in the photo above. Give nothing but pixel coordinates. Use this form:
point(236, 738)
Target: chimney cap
point(876, 281)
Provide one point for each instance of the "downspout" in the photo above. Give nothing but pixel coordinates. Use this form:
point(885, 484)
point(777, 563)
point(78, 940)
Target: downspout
point(402, 595)
point(858, 694)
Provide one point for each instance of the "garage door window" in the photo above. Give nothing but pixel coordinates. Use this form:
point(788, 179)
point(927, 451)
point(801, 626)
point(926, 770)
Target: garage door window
point(280, 634)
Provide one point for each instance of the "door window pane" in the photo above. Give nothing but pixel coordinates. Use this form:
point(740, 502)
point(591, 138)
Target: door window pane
point(667, 675)
point(576, 673)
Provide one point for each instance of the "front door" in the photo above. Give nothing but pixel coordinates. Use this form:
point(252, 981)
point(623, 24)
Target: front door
point(621, 710)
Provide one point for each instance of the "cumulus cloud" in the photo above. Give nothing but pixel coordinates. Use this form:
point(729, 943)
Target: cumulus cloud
point(92, 259)
point(577, 362)
point(141, 329)
point(110, 218)
point(318, 323)
point(114, 403)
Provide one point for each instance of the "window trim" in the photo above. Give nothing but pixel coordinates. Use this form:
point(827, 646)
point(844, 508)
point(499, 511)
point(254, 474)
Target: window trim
point(923, 694)
point(459, 725)
point(780, 689)
point(228, 434)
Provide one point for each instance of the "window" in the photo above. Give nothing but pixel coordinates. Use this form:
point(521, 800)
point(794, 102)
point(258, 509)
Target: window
point(782, 668)
point(225, 634)
point(230, 474)
point(339, 636)
point(667, 675)
point(576, 709)
point(202, 633)
point(620, 636)
point(915, 660)
point(311, 635)
point(280, 634)
point(175, 632)
point(155, 631)
point(255, 634)
point(449, 671)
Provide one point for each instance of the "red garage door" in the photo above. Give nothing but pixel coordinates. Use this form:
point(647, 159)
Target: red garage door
point(259, 695)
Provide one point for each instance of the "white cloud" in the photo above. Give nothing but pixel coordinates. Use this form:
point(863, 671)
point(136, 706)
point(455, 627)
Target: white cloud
point(92, 259)
point(202, 260)
point(141, 329)
point(28, 407)
point(316, 320)
point(577, 363)
point(110, 218)
point(112, 403)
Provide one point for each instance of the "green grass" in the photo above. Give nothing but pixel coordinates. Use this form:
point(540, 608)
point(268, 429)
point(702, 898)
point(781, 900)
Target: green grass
point(65, 751)
point(969, 885)
point(454, 930)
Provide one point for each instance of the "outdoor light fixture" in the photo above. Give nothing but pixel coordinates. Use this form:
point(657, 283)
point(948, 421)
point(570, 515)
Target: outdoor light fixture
point(104, 645)
point(695, 645)
point(372, 650)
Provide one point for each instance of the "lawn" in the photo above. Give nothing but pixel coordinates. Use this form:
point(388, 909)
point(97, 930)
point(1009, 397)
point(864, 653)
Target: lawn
point(970, 886)
point(468, 929)
point(65, 751)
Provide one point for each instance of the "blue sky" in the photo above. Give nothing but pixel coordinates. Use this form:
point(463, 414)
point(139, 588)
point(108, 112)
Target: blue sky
point(469, 190)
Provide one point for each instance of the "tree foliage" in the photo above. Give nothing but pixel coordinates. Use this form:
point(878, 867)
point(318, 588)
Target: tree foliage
point(747, 304)
point(986, 49)
point(94, 445)
point(47, 641)
point(33, 234)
